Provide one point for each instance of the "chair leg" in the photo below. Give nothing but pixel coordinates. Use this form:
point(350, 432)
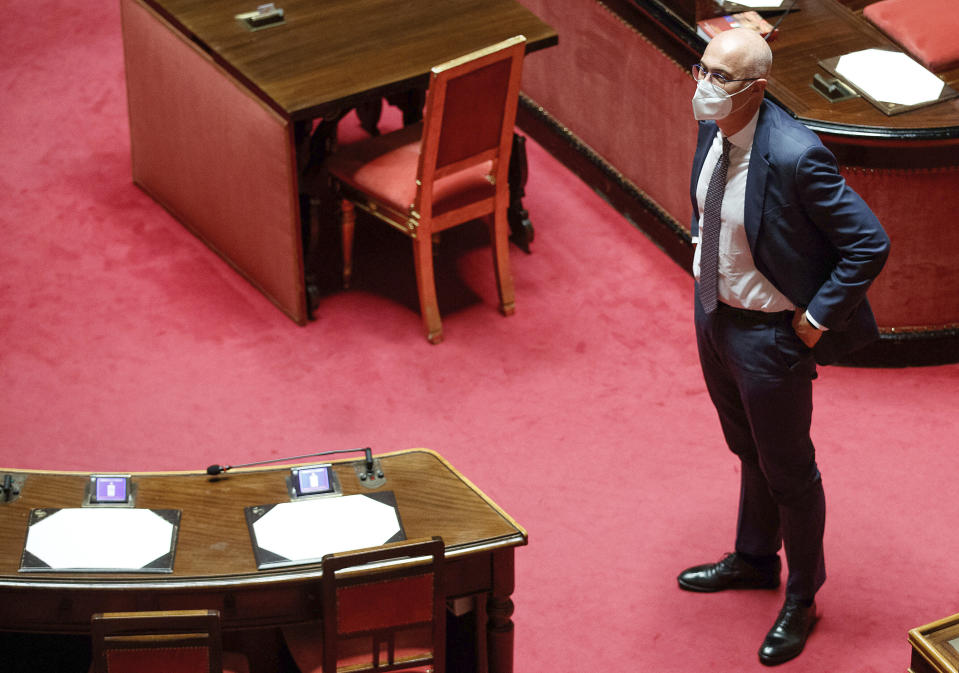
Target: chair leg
point(310, 255)
point(426, 288)
point(348, 224)
point(499, 237)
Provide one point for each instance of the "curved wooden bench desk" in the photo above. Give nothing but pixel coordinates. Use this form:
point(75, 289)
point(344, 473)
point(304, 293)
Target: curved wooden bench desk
point(215, 568)
point(613, 102)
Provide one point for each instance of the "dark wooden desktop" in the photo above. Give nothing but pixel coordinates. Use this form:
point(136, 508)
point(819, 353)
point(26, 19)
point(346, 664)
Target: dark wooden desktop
point(816, 30)
point(324, 59)
point(905, 166)
point(215, 566)
point(330, 54)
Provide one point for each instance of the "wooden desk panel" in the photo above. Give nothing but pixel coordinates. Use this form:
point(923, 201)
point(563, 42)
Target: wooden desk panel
point(215, 156)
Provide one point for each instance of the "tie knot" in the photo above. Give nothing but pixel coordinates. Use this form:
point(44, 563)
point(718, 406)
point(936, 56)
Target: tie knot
point(726, 146)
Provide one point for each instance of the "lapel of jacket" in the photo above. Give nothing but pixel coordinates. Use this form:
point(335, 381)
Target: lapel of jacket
point(756, 178)
point(707, 131)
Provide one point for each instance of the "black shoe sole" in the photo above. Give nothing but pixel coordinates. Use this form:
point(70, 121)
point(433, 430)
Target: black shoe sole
point(769, 661)
point(686, 586)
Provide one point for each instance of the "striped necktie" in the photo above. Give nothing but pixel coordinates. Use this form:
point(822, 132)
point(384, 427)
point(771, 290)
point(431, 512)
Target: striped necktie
point(712, 221)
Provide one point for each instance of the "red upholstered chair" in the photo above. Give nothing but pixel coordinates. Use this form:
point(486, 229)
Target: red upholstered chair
point(180, 641)
point(383, 610)
point(926, 29)
point(450, 169)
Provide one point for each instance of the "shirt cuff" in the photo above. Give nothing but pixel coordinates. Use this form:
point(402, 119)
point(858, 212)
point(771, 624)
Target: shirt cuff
point(815, 323)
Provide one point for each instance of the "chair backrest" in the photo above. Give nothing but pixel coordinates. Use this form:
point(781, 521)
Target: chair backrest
point(470, 113)
point(384, 609)
point(178, 641)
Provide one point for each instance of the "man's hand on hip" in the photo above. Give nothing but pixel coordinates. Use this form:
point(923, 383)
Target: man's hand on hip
point(806, 331)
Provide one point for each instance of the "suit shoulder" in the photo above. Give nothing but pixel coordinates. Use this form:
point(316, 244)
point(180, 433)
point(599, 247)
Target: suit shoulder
point(788, 138)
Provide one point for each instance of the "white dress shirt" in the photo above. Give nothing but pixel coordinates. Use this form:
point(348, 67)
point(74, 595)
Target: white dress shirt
point(740, 282)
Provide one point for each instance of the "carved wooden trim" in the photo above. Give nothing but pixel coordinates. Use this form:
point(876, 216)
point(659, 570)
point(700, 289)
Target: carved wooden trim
point(628, 199)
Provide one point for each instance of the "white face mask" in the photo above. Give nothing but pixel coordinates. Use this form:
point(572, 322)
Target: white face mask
point(711, 101)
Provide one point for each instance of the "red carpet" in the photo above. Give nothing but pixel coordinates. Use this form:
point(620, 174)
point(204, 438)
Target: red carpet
point(128, 345)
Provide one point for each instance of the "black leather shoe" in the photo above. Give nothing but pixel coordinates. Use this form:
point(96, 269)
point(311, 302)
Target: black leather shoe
point(732, 572)
point(787, 637)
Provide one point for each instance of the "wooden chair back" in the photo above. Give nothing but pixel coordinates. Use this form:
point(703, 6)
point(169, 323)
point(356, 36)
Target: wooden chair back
point(469, 116)
point(179, 641)
point(384, 609)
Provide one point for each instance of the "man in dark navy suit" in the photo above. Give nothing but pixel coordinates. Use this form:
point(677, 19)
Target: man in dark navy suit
point(785, 253)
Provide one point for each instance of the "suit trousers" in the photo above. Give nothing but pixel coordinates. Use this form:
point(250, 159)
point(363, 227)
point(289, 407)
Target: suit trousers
point(759, 376)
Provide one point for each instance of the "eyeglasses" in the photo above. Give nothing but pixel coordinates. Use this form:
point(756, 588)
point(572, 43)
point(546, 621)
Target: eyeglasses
point(700, 73)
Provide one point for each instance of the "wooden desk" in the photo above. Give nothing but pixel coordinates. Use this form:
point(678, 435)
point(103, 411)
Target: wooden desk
point(220, 115)
point(905, 166)
point(214, 563)
point(935, 646)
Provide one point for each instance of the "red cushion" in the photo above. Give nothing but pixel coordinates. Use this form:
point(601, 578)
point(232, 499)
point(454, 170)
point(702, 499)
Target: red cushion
point(172, 660)
point(927, 29)
point(305, 644)
point(384, 167)
point(159, 660)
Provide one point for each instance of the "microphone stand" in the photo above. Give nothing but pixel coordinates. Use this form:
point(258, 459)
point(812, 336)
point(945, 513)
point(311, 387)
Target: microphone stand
point(214, 470)
point(784, 15)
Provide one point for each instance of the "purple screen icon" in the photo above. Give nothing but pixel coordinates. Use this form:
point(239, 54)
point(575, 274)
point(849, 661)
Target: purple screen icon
point(314, 480)
point(111, 489)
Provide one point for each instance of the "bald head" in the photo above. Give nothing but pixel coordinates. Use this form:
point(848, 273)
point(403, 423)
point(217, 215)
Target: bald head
point(742, 50)
point(744, 59)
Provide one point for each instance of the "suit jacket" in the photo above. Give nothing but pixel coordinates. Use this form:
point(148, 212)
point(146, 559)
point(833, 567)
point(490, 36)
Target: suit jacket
point(811, 235)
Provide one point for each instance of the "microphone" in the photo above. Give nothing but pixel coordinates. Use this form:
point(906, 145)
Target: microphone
point(784, 15)
point(214, 470)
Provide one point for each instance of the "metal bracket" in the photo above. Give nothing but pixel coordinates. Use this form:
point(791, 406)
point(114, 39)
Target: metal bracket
point(264, 16)
point(11, 486)
point(370, 478)
point(833, 90)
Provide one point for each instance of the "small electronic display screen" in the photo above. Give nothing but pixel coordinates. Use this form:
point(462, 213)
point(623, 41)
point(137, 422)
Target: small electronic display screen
point(110, 489)
point(313, 480)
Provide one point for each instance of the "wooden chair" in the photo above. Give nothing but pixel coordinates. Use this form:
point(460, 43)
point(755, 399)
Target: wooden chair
point(383, 610)
point(450, 169)
point(179, 641)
